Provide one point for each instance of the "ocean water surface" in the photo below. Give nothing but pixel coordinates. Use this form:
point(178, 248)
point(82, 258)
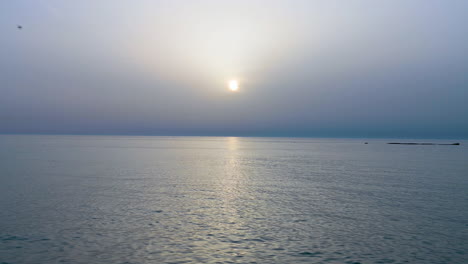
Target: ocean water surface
point(110, 199)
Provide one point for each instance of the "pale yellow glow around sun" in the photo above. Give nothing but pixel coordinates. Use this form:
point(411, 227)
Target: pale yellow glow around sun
point(233, 85)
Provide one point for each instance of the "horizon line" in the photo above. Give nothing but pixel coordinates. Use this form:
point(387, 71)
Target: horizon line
point(240, 136)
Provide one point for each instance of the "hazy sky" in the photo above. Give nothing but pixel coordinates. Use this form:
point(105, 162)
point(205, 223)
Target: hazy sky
point(390, 68)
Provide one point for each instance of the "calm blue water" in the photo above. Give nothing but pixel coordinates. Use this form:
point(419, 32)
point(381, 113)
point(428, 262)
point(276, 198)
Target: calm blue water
point(106, 199)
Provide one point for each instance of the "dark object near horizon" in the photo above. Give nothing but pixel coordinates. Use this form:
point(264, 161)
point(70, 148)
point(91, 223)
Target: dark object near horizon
point(366, 143)
point(19, 26)
point(398, 143)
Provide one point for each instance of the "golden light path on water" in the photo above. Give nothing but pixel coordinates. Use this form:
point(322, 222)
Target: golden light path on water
point(234, 191)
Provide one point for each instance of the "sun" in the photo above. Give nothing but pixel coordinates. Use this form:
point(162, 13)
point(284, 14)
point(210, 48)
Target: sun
point(233, 85)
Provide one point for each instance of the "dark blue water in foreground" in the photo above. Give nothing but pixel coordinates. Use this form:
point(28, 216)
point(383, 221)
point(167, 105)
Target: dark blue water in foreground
point(105, 199)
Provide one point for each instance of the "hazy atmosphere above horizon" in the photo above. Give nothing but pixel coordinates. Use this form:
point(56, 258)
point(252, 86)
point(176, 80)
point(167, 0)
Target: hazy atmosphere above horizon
point(394, 68)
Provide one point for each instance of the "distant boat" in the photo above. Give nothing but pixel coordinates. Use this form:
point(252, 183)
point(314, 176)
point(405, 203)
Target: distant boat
point(404, 143)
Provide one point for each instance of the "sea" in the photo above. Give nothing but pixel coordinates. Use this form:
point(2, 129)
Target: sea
point(145, 199)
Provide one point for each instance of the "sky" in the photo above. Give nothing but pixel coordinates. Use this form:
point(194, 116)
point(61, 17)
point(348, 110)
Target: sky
point(324, 68)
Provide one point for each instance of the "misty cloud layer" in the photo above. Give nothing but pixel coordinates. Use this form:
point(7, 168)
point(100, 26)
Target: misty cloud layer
point(306, 68)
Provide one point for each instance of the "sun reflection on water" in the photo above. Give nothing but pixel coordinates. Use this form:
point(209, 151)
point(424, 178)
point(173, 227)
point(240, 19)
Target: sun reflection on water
point(233, 184)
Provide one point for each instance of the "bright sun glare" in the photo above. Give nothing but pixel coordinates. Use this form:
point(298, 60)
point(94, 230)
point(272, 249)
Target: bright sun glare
point(233, 85)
